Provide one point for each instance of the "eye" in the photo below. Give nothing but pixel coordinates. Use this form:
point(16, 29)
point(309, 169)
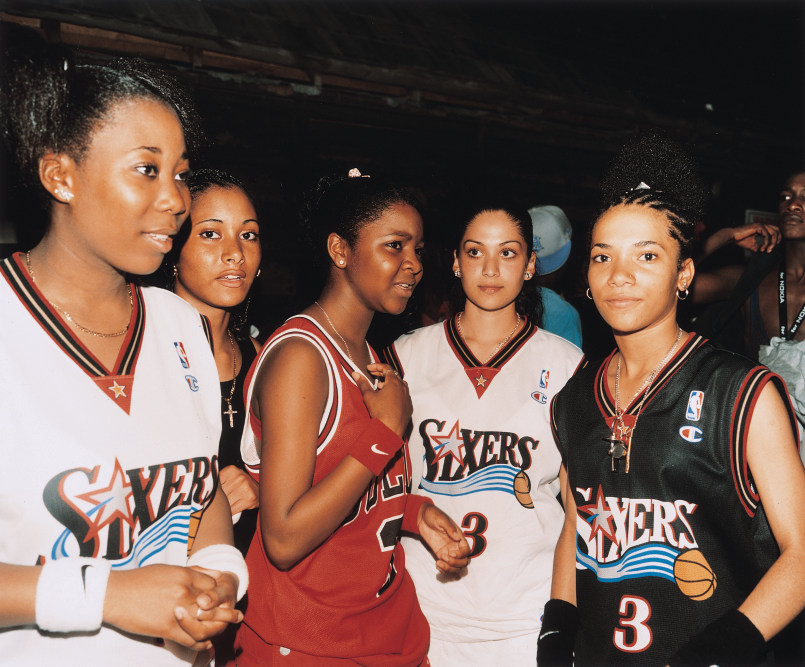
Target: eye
point(209, 234)
point(149, 170)
point(508, 252)
point(396, 245)
point(648, 256)
point(183, 175)
point(420, 251)
point(599, 259)
point(786, 196)
point(474, 252)
point(250, 236)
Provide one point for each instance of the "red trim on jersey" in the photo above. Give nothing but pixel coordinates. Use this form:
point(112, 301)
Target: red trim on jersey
point(16, 274)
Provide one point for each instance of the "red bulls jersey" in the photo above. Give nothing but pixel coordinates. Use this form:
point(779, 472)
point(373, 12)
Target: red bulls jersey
point(351, 597)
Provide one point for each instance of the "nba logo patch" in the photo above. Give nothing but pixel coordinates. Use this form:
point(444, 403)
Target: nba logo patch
point(695, 402)
point(182, 354)
point(539, 397)
point(544, 376)
point(191, 382)
point(691, 433)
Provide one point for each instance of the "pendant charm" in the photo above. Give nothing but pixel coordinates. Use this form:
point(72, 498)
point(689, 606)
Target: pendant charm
point(617, 449)
point(231, 414)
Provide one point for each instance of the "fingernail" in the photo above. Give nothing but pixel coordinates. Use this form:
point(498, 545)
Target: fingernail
point(179, 613)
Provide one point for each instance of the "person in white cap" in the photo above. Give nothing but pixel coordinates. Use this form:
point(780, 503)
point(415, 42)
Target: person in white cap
point(552, 233)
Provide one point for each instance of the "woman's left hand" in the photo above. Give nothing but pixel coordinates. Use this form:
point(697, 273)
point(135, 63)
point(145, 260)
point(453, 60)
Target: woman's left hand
point(444, 538)
point(241, 490)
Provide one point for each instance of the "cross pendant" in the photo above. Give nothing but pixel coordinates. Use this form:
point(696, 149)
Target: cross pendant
point(230, 412)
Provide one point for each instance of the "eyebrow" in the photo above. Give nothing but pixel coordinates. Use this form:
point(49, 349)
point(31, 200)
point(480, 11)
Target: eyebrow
point(245, 222)
point(501, 243)
point(157, 151)
point(638, 244)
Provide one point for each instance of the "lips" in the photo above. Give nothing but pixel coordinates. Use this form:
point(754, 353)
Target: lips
point(490, 289)
point(162, 240)
point(233, 278)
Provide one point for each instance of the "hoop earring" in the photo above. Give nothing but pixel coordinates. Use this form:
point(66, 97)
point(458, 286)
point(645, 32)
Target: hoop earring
point(685, 292)
point(589, 296)
point(457, 273)
point(257, 275)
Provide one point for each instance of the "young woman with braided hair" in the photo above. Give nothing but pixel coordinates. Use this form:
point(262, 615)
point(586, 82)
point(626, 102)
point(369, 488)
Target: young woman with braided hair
point(683, 542)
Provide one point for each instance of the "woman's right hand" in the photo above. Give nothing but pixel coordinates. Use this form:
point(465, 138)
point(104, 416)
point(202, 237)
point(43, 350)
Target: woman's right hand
point(241, 490)
point(390, 402)
point(152, 600)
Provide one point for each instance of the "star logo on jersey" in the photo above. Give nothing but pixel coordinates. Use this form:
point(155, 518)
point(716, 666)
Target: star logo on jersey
point(112, 501)
point(449, 445)
point(600, 516)
point(480, 381)
point(118, 389)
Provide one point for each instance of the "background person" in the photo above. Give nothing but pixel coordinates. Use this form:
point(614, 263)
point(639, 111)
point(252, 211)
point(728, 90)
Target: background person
point(214, 262)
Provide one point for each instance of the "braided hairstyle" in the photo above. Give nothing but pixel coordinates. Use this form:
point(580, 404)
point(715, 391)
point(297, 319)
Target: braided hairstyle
point(529, 301)
point(49, 104)
point(344, 205)
point(655, 172)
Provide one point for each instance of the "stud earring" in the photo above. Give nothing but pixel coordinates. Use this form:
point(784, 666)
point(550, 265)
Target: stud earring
point(64, 194)
point(527, 276)
point(340, 262)
point(175, 271)
point(457, 273)
point(589, 296)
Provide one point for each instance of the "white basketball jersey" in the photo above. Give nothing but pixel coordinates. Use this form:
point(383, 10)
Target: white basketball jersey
point(481, 447)
point(116, 464)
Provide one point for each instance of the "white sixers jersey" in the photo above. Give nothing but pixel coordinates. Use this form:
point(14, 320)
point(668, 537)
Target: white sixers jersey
point(481, 447)
point(114, 464)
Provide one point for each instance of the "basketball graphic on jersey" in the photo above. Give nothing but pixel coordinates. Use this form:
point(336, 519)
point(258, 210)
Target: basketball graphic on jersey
point(522, 490)
point(694, 576)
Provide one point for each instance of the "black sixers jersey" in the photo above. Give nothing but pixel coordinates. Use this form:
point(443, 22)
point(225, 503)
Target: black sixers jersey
point(669, 547)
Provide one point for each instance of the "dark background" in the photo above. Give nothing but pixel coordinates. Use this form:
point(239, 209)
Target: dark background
point(527, 99)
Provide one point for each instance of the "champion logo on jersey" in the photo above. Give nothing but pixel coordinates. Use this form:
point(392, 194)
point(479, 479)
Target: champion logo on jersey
point(182, 354)
point(695, 402)
point(544, 376)
point(691, 433)
point(192, 382)
point(539, 397)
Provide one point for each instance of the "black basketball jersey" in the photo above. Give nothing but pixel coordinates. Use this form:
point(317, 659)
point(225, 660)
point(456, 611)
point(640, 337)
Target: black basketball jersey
point(669, 547)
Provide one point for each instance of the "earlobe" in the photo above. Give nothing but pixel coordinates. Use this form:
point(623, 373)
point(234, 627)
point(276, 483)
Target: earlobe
point(686, 273)
point(456, 267)
point(531, 267)
point(338, 249)
point(56, 176)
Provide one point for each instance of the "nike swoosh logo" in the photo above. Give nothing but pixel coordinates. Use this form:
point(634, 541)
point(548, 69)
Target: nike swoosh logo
point(84, 577)
point(377, 450)
point(549, 632)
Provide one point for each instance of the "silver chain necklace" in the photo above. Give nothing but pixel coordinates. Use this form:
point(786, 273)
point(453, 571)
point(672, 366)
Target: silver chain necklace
point(337, 333)
point(620, 447)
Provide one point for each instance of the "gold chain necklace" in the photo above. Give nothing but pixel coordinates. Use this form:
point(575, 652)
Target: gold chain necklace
point(229, 411)
point(69, 318)
point(343, 340)
point(620, 447)
point(500, 344)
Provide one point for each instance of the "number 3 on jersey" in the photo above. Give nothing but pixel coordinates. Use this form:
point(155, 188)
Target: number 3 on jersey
point(635, 612)
point(474, 525)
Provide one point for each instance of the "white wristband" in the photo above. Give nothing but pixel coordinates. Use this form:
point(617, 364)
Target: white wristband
point(70, 593)
point(224, 558)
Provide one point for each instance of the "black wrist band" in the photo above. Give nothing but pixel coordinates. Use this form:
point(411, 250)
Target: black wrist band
point(730, 641)
point(557, 636)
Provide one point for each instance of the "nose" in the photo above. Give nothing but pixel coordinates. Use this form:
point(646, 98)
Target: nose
point(232, 250)
point(413, 262)
point(174, 196)
point(490, 267)
point(619, 273)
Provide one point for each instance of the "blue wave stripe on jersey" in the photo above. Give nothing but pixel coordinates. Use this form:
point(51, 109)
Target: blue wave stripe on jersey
point(493, 478)
point(649, 560)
